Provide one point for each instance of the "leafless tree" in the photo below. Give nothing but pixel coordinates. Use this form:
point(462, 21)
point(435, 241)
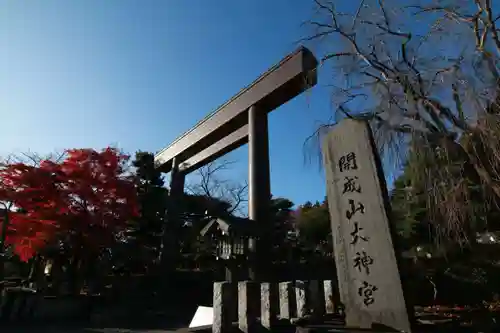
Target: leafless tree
point(211, 184)
point(425, 73)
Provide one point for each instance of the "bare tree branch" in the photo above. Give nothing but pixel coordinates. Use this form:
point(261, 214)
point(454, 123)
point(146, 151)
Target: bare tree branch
point(211, 185)
point(34, 159)
point(427, 85)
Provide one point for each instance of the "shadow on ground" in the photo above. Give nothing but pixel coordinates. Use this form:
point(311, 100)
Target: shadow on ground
point(108, 319)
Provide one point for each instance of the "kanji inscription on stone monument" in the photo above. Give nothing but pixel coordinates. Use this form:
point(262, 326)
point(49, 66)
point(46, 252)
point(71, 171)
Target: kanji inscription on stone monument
point(369, 281)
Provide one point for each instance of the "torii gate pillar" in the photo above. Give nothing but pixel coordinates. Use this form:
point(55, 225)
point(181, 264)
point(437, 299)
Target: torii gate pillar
point(259, 192)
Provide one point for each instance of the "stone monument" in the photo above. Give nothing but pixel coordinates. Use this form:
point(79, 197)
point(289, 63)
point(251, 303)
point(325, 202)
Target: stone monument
point(369, 281)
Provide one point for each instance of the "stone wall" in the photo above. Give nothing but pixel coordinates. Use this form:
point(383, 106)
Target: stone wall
point(22, 304)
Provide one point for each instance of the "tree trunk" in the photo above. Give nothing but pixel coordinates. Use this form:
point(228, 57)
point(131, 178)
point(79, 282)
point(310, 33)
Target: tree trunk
point(3, 237)
point(92, 275)
point(33, 277)
point(73, 280)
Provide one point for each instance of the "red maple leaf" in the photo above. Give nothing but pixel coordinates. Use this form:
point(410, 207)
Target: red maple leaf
point(85, 199)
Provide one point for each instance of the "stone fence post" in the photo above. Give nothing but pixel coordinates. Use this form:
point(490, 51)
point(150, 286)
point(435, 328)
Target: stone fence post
point(271, 301)
point(223, 305)
point(248, 306)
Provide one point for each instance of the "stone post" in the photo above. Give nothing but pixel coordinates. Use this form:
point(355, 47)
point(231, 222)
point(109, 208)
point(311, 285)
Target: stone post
point(329, 291)
point(316, 298)
point(224, 303)
point(268, 304)
point(287, 300)
point(248, 303)
point(369, 282)
point(301, 298)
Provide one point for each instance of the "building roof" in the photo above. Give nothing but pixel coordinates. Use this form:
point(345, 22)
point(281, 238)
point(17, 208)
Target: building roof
point(232, 226)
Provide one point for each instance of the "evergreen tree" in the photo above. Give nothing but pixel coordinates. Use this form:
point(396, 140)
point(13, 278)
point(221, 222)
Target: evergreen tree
point(144, 234)
point(282, 219)
point(313, 223)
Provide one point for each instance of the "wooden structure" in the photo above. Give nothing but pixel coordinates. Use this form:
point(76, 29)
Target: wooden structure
point(232, 236)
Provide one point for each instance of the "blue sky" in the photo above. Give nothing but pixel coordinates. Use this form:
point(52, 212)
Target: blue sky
point(137, 74)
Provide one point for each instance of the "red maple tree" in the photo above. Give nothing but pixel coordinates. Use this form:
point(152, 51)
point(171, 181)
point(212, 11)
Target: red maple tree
point(85, 200)
point(30, 190)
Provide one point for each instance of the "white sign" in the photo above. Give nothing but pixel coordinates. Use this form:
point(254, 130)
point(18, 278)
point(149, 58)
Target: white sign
point(204, 316)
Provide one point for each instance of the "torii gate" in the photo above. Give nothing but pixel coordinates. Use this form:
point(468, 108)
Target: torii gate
point(241, 120)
